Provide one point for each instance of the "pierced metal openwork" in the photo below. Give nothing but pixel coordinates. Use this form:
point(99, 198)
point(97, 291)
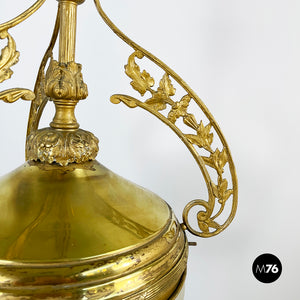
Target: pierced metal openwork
point(159, 97)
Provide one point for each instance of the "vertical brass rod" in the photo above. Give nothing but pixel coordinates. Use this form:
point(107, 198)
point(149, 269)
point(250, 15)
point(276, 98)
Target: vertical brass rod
point(64, 83)
point(67, 39)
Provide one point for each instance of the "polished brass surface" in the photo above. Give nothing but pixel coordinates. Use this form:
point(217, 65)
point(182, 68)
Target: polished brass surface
point(64, 200)
point(71, 228)
point(86, 231)
point(161, 103)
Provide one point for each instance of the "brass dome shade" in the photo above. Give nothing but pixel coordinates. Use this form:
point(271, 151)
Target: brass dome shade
point(82, 231)
point(73, 229)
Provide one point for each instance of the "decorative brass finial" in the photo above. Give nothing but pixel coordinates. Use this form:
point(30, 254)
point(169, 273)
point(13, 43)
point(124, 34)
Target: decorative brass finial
point(65, 86)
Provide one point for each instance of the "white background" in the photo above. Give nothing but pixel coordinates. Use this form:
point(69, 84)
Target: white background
point(242, 59)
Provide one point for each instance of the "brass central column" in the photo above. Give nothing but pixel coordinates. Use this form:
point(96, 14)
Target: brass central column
point(68, 88)
point(68, 22)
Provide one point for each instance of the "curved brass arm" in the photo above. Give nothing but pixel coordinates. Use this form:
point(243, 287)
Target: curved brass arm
point(10, 56)
point(213, 162)
point(23, 16)
point(39, 103)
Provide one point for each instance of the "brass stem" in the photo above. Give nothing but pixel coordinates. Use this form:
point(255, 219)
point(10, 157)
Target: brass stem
point(64, 115)
point(64, 80)
point(67, 39)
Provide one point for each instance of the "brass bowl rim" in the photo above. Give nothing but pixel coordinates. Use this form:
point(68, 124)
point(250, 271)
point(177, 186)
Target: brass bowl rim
point(63, 263)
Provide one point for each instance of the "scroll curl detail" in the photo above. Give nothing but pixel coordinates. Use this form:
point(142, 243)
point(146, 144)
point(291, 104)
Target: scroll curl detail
point(12, 95)
point(9, 56)
point(162, 103)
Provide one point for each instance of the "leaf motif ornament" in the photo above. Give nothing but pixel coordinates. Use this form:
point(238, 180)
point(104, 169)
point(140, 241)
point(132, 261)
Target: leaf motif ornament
point(203, 138)
point(161, 97)
point(158, 103)
point(206, 223)
point(9, 56)
point(141, 81)
point(217, 160)
point(179, 109)
point(221, 191)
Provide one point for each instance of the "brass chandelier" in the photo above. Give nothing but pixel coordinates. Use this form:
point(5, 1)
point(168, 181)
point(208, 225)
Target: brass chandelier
point(73, 229)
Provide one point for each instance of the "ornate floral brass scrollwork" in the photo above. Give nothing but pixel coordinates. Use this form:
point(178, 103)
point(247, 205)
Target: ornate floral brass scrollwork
point(64, 81)
point(10, 56)
point(63, 147)
point(163, 106)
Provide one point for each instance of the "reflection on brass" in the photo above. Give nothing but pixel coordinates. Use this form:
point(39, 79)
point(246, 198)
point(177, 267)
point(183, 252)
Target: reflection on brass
point(161, 103)
point(73, 229)
point(63, 147)
point(87, 233)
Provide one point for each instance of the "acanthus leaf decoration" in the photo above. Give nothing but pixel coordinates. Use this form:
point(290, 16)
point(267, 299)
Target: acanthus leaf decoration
point(158, 104)
point(203, 138)
point(158, 101)
point(141, 81)
point(9, 56)
point(179, 109)
point(64, 81)
point(161, 97)
point(166, 86)
point(217, 160)
point(221, 191)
